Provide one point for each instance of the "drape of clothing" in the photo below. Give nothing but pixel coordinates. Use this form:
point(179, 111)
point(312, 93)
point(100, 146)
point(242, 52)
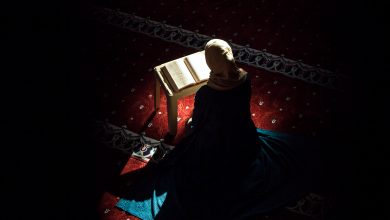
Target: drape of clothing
point(226, 168)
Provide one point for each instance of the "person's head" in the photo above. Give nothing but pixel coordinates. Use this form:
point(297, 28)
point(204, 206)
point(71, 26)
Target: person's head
point(224, 72)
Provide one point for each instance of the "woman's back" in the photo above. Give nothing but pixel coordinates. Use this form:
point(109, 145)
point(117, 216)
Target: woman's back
point(225, 168)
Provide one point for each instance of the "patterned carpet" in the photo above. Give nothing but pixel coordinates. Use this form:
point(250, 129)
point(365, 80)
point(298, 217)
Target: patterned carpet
point(301, 30)
point(121, 148)
point(65, 65)
point(288, 95)
point(123, 83)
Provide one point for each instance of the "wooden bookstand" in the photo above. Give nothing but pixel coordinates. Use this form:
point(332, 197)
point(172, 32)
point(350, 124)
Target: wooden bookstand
point(172, 97)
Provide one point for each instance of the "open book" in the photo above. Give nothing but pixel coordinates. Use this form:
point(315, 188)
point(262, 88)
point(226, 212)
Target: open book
point(186, 71)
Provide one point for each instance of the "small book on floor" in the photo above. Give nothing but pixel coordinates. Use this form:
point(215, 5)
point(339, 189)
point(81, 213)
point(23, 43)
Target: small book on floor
point(186, 71)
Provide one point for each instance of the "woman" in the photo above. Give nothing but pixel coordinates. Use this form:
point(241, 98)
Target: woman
point(225, 168)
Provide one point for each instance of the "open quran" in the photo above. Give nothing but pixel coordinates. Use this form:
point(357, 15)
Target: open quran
point(186, 71)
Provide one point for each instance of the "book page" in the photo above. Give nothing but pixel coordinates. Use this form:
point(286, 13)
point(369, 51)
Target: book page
point(197, 64)
point(178, 74)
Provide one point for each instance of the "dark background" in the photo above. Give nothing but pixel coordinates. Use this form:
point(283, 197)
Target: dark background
point(47, 159)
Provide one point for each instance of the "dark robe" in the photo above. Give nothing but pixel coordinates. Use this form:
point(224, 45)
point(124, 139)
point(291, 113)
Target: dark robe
point(225, 167)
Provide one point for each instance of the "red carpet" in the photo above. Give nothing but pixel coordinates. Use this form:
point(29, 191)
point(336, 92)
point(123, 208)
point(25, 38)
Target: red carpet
point(106, 209)
point(301, 30)
point(66, 69)
point(124, 83)
point(310, 207)
point(119, 63)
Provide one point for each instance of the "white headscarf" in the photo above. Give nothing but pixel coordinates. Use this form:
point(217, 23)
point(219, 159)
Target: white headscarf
point(224, 73)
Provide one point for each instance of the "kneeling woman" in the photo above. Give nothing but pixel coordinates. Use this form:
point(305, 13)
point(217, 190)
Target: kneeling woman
point(225, 168)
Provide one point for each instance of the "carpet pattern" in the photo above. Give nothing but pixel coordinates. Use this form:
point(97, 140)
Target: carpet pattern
point(119, 61)
point(242, 54)
point(312, 206)
point(299, 29)
point(137, 146)
point(120, 74)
